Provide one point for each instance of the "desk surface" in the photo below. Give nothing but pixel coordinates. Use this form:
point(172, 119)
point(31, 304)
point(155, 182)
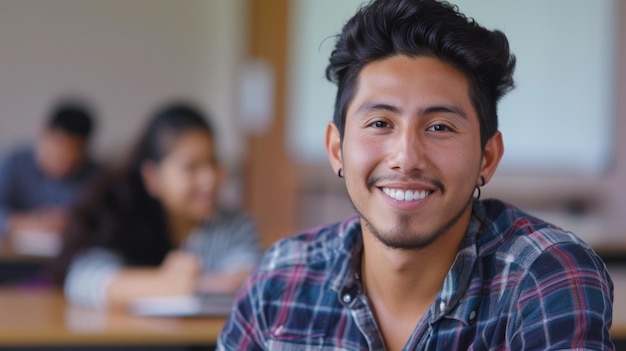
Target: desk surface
point(41, 317)
point(37, 318)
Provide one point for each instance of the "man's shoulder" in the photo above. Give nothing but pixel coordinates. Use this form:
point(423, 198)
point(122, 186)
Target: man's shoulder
point(515, 234)
point(19, 154)
point(18, 163)
point(315, 245)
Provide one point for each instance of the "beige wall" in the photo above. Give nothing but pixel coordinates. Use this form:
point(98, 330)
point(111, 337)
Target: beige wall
point(126, 56)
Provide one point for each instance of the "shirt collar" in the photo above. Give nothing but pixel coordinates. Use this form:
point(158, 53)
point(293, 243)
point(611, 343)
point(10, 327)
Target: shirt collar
point(347, 256)
point(460, 295)
point(458, 298)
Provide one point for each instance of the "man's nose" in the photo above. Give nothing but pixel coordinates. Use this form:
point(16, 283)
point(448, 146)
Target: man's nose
point(407, 153)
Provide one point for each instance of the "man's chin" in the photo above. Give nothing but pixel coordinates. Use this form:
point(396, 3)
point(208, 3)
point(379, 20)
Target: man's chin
point(405, 241)
point(403, 236)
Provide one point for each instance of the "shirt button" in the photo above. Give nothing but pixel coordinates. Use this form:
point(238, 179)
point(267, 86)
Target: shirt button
point(442, 306)
point(472, 315)
point(347, 298)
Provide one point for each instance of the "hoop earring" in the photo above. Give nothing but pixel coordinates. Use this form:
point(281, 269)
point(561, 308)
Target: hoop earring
point(477, 188)
point(340, 173)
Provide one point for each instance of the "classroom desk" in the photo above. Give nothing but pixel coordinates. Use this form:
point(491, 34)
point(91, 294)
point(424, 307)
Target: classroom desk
point(16, 267)
point(42, 318)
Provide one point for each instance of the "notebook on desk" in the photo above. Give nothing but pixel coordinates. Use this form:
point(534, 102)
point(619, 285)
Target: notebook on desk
point(203, 305)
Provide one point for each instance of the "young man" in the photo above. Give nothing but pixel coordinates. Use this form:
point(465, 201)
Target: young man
point(425, 265)
point(39, 183)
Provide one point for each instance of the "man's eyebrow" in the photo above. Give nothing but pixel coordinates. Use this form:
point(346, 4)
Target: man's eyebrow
point(374, 106)
point(445, 109)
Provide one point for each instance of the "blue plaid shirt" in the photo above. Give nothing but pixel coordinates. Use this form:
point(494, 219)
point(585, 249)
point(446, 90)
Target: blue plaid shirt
point(518, 283)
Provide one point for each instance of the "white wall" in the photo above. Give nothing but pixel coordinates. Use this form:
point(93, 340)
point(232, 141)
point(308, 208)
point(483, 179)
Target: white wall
point(126, 56)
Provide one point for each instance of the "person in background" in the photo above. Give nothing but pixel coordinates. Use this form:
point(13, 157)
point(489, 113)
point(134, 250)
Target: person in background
point(154, 227)
point(425, 264)
point(41, 182)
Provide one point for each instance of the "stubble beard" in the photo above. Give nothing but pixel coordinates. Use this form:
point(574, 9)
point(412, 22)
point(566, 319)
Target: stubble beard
point(401, 237)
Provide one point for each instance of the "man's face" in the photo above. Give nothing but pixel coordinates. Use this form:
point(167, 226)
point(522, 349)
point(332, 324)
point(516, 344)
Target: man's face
point(59, 154)
point(411, 151)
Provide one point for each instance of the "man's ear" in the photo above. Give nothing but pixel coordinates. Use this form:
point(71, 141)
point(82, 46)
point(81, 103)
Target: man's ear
point(333, 147)
point(494, 149)
point(150, 177)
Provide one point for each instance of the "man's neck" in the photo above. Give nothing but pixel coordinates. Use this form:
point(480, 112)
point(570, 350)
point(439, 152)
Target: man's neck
point(405, 277)
point(402, 284)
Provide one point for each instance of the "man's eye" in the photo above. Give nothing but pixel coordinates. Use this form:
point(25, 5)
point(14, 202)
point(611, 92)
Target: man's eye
point(380, 124)
point(439, 128)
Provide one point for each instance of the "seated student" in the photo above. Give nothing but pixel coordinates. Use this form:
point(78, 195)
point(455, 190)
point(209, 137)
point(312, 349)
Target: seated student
point(154, 228)
point(425, 264)
point(39, 183)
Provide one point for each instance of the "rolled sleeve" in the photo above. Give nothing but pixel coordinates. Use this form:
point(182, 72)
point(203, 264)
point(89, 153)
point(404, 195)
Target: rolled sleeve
point(89, 276)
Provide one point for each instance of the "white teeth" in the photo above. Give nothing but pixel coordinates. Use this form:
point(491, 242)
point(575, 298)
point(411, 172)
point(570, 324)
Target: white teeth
point(406, 195)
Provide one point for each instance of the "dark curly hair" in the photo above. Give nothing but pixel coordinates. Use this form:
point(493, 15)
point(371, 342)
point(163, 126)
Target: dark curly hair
point(384, 28)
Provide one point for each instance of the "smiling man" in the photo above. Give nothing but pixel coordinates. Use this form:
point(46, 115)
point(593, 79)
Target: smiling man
point(426, 264)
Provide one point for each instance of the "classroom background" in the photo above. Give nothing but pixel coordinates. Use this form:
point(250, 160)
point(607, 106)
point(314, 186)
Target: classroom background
point(257, 68)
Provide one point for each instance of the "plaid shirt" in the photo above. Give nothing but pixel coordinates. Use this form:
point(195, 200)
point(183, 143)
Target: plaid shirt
point(518, 283)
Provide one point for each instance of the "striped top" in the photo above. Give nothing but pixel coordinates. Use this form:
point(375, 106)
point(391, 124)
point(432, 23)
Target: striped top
point(517, 283)
point(227, 242)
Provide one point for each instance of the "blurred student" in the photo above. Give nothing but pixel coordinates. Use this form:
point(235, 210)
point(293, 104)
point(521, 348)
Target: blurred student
point(154, 228)
point(40, 182)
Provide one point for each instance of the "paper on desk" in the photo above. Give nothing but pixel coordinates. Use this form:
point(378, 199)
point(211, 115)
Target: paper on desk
point(165, 306)
point(37, 243)
point(182, 306)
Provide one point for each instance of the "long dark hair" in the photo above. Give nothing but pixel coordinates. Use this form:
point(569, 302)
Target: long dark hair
point(118, 213)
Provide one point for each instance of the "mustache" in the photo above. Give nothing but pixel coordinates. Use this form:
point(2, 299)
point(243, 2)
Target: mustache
point(371, 181)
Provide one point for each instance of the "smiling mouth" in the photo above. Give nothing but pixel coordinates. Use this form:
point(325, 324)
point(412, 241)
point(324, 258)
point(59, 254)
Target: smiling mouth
point(406, 195)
